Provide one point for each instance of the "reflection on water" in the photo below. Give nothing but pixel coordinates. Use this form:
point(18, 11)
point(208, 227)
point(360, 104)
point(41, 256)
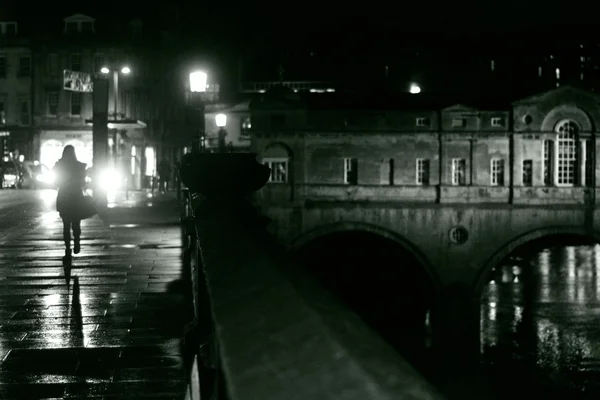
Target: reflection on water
point(540, 324)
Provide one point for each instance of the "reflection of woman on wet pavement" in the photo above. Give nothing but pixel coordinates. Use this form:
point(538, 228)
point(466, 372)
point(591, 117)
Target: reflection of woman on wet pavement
point(70, 179)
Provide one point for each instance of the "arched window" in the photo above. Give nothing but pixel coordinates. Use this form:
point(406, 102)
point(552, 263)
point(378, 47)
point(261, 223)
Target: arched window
point(566, 153)
point(277, 157)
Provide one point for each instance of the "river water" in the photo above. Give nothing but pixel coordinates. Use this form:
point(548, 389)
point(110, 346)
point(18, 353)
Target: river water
point(540, 326)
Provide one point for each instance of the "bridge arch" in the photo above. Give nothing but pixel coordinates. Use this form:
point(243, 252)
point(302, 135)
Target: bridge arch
point(522, 240)
point(340, 227)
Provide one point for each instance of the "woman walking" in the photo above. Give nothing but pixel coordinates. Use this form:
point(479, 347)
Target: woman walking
point(70, 179)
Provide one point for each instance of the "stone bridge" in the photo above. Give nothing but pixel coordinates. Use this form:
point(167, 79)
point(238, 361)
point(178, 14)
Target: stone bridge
point(458, 244)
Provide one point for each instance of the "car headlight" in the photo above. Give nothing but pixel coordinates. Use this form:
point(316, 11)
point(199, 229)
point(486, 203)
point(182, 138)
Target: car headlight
point(110, 180)
point(45, 178)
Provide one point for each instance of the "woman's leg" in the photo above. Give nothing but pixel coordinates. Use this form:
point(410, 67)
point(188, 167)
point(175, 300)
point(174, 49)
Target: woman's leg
point(67, 235)
point(76, 234)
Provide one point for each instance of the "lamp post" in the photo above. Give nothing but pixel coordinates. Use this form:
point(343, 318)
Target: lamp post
point(198, 84)
point(125, 71)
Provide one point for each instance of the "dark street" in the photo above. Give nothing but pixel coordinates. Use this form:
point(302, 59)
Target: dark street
point(108, 325)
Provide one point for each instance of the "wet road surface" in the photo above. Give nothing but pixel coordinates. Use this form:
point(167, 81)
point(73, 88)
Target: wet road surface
point(540, 325)
point(107, 326)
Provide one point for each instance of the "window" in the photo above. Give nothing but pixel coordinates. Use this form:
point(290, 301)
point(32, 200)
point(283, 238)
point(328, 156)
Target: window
point(548, 156)
point(71, 27)
point(497, 172)
point(387, 172)
point(87, 26)
point(99, 62)
point(459, 171)
point(527, 172)
point(492, 65)
point(24, 116)
point(2, 66)
point(52, 99)
point(497, 121)
point(589, 164)
point(557, 73)
point(8, 28)
point(422, 121)
point(458, 122)
point(540, 69)
point(422, 171)
point(246, 126)
point(53, 68)
point(75, 103)
point(2, 112)
point(25, 66)
point(75, 62)
point(351, 171)
point(567, 153)
point(279, 169)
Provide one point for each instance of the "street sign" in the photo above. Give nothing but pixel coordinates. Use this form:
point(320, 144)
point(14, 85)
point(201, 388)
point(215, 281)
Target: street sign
point(76, 81)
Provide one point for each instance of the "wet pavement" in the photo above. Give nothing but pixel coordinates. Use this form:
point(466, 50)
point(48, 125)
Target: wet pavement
point(108, 324)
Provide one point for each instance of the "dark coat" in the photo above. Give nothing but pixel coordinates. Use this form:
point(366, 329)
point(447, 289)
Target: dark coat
point(70, 179)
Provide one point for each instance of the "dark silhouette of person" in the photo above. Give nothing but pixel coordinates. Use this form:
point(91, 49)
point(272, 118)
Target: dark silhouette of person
point(164, 175)
point(70, 179)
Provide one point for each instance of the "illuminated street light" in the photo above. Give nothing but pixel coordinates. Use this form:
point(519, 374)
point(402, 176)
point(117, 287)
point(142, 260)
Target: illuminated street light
point(125, 70)
point(105, 70)
point(415, 89)
point(221, 120)
point(198, 81)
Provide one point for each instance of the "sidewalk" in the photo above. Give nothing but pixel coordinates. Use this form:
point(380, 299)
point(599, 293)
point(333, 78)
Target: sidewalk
point(112, 332)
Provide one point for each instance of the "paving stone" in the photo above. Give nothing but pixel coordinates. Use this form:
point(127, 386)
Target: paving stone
point(116, 333)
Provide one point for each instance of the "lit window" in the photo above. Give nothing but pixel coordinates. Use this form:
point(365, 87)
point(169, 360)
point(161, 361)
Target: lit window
point(492, 65)
point(459, 169)
point(527, 172)
point(351, 171)
point(421, 121)
point(458, 122)
point(246, 126)
point(567, 153)
point(422, 171)
point(557, 73)
point(540, 69)
point(279, 169)
point(497, 121)
point(497, 172)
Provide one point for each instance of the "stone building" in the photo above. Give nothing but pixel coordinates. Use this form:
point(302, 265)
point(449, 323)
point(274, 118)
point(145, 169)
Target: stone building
point(146, 121)
point(426, 149)
point(15, 91)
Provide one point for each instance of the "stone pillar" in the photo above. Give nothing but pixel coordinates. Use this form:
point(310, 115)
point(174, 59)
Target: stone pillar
point(456, 326)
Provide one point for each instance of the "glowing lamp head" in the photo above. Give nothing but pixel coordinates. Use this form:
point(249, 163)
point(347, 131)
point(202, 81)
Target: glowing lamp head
point(125, 70)
point(221, 120)
point(415, 89)
point(105, 70)
point(198, 81)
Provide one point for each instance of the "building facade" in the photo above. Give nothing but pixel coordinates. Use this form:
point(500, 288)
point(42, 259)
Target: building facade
point(529, 152)
point(15, 92)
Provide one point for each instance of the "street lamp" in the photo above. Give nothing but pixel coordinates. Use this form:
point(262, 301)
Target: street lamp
point(221, 120)
point(198, 84)
point(124, 70)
